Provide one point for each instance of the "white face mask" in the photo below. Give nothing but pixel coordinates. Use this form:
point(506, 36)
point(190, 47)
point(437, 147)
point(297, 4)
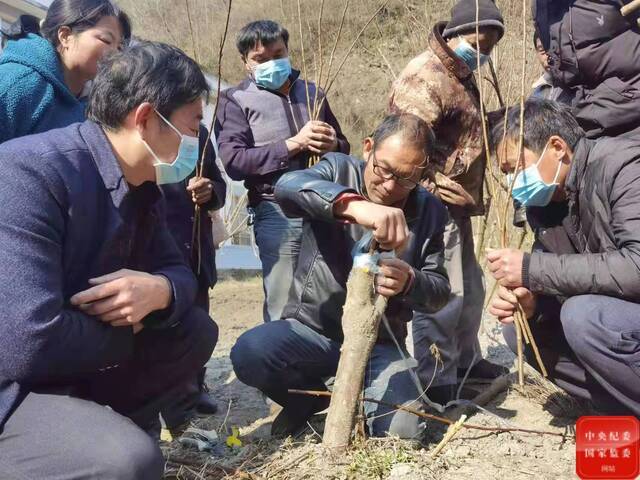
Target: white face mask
point(184, 163)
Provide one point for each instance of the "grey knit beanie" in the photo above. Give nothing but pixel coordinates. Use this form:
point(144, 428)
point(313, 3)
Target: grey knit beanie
point(463, 18)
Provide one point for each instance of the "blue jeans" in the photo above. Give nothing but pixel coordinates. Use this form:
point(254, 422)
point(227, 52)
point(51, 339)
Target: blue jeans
point(284, 354)
point(278, 239)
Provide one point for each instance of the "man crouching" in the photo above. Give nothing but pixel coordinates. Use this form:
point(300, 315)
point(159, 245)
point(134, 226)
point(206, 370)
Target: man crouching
point(341, 199)
point(97, 302)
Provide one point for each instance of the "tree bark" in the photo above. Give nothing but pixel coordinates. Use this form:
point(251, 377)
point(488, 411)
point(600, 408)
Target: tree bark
point(363, 310)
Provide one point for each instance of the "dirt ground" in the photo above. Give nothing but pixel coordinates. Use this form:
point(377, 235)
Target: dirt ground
point(236, 307)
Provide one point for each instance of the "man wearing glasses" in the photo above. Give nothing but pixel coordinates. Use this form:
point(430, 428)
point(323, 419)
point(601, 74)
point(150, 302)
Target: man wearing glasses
point(345, 202)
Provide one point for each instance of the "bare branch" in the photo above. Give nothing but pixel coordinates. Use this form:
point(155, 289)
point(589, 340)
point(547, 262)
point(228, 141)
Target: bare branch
point(193, 40)
point(304, 61)
point(195, 234)
point(429, 416)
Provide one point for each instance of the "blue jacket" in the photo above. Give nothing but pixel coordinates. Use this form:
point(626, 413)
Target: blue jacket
point(69, 215)
point(33, 95)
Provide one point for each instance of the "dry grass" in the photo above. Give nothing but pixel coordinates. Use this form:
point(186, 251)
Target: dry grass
point(555, 400)
point(237, 306)
point(291, 460)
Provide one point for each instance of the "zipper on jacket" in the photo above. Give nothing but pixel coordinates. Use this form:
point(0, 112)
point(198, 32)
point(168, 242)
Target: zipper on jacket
point(288, 97)
point(293, 115)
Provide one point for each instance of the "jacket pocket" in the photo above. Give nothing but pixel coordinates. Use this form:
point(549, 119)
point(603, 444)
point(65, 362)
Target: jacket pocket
point(308, 283)
point(616, 89)
point(609, 109)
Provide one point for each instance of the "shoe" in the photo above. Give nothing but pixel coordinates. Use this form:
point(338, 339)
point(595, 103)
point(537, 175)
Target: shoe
point(205, 404)
point(484, 370)
point(154, 429)
point(293, 417)
point(169, 434)
point(443, 394)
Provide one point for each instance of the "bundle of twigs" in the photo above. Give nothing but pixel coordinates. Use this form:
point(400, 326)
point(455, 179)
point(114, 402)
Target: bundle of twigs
point(325, 79)
point(523, 330)
point(196, 232)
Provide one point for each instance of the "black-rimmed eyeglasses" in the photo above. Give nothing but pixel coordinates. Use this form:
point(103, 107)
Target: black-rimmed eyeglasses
point(387, 174)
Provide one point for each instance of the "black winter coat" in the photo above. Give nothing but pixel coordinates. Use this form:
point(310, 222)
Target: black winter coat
point(595, 52)
point(597, 246)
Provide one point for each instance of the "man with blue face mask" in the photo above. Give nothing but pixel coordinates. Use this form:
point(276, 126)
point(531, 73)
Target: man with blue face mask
point(98, 303)
point(264, 130)
point(207, 189)
point(439, 87)
point(580, 287)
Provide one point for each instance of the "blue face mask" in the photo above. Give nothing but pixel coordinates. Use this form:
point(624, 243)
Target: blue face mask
point(530, 189)
point(184, 163)
point(272, 74)
point(469, 55)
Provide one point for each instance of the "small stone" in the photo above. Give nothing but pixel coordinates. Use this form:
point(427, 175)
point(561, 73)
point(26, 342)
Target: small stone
point(448, 452)
point(504, 449)
point(463, 451)
point(403, 471)
point(537, 453)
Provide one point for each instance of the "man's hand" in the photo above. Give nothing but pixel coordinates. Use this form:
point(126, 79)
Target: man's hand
point(505, 303)
point(315, 137)
point(388, 223)
point(506, 266)
point(393, 277)
point(125, 297)
point(201, 190)
point(454, 194)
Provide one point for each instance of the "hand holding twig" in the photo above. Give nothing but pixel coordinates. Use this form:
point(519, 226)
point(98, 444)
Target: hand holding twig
point(316, 137)
point(201, 190)
point(507, 302)
point(506, 266)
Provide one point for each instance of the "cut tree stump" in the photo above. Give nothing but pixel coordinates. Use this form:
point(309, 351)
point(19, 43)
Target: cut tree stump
point(363, 310)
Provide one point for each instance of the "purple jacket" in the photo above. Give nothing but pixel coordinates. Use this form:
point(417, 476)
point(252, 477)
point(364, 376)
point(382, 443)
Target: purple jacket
point(252, 126)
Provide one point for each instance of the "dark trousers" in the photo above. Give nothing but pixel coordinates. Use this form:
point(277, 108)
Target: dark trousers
point(284, 354)
point(182, 403)
point(454, 328)
point(592, 351)
point(74, 436)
